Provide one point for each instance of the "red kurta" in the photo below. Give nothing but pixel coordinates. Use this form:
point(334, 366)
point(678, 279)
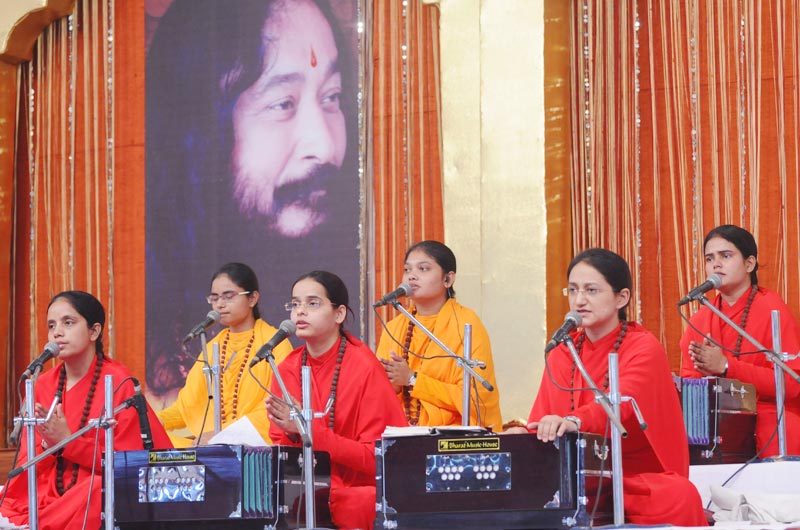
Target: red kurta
point(67, 512)
point(365, 405)
point(655, 462)
point(755, 369)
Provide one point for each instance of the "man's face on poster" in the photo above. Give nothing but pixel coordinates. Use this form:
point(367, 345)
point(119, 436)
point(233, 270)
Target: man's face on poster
point(289, 130)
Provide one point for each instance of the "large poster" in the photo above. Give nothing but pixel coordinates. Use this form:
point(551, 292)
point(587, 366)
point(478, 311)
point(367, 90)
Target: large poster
point(252, 154)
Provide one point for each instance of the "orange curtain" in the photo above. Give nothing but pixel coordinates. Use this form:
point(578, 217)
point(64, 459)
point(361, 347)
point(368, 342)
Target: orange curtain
point(76, 219)
point(79, 188)
point(405, 136)
point(685, 116)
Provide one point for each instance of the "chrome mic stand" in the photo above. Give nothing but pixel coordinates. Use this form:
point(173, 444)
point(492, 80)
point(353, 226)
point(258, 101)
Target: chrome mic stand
point(466, 362)
point(103, 422)
point(212, 373)
point(303, 420)
point(610, 404)
point(776, 356)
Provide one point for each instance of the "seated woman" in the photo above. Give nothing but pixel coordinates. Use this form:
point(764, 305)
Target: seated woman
point(235, 295)
point(655, 462)
point(345, 372)
point(427, 381)
point(69, 482)
point(731, 252)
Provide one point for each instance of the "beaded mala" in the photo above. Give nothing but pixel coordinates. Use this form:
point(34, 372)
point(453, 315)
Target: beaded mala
point(62, 382)
point(238, 376)
point(335, 380)
point(412, 419)
point(623, 330)
point(743, 323)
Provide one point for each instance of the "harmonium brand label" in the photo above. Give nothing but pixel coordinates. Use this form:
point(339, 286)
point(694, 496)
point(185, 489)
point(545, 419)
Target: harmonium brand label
point(448, 445)
point(172, 457)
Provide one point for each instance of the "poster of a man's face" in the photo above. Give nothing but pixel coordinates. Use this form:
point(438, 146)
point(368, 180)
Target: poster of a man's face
point(288, 127)
point(251, 156)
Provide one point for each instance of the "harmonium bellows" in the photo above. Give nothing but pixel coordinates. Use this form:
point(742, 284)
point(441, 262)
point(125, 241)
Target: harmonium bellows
point(489, 481)
point(232, 486)
point(720, 418)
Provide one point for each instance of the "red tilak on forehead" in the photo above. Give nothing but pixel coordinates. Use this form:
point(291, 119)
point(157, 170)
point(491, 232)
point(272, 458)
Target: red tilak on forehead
point(313, 58)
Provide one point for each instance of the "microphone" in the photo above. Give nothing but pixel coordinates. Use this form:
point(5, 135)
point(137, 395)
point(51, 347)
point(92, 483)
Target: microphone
point(403, 289)
point(286, 329)
point(713, 282)
point(211, 319)
point(140, 404)
point(51, 350)
point(571, 321)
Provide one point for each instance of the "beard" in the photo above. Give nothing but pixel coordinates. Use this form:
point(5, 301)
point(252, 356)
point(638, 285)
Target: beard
point(293, 210)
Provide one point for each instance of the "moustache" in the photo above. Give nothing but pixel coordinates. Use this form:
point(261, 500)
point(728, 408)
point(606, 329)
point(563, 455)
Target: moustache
point(311, 189)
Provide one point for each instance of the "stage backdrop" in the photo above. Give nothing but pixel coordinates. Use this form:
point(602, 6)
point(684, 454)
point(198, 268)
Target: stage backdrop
point(252, 155)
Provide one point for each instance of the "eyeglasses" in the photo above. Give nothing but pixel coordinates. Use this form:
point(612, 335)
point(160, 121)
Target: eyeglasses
point(572, 292)
point(310, 305)
point(227, 296)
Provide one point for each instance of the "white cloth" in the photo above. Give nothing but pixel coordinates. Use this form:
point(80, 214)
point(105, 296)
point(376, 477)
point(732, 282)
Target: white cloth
point(764, 508)
point(5, 524)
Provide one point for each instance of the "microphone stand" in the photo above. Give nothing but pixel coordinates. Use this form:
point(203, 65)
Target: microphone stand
point(610, 404)
point(103, 422)
point(303, 420)
point(466, 363)
point(776, 356)
point(211, 372)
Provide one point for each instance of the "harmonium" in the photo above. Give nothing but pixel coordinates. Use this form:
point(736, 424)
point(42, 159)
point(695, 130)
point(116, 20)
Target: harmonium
point(217, 487)
point(480, 480)
point(720, 419)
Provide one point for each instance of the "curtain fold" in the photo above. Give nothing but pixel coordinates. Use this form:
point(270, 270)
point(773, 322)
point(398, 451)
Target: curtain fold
point(685, 117)
point(406, 140)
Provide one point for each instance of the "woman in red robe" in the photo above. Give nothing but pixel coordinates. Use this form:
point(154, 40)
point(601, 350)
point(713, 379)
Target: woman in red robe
point(73, 475)
point(731, 252)
point(345, 372)
point(655, 462)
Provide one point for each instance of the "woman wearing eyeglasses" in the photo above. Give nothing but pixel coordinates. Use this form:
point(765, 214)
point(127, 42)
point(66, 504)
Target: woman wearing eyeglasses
point(235, 295)
point(347, 380)
point(655, 461)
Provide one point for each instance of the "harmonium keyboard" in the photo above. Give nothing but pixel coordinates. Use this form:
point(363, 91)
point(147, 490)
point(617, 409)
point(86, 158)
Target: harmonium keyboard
point(452, 479)
point(720, 419)
point(222, 486)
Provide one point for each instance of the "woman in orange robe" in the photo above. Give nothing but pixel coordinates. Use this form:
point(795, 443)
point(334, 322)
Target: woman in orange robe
point(344, 373)
point(235, 295)
point(73, 475)
point(428, 382)
point(655, 462)
point(731, 252)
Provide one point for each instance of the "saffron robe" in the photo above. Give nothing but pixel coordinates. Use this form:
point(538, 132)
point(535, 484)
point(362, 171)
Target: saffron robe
point(189, 409)
point(754, 368)
point(67, 512)
point(365, 405)
point(439, 386)
point(655, 462)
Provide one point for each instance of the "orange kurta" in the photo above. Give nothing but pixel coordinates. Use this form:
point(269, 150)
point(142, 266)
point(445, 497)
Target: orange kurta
point(66, 512)
point(754, 368)
point(438, 389)
point(190, 407)
point(655, 462)
point(364, 407)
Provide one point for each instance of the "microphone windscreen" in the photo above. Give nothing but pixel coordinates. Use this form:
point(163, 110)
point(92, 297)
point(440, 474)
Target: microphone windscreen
point(52, 348)
point(288, 327)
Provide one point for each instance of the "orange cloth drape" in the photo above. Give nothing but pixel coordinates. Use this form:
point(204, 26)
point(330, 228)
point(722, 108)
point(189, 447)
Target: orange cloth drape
point(684, 118)
point(78, 188)
point(406, 135)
